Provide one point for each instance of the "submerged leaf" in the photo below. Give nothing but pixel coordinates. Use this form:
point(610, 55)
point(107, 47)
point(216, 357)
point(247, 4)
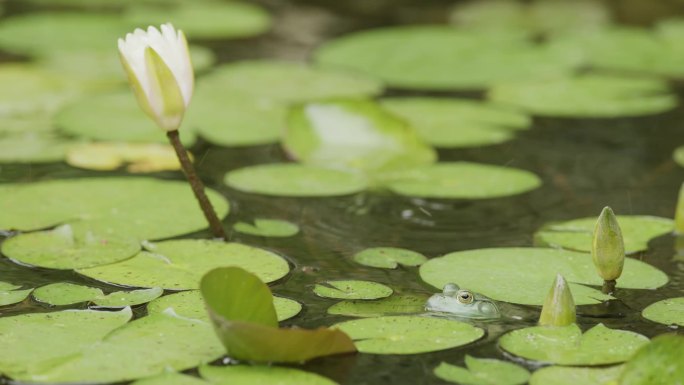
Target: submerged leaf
point(267, 228)
point(483, 371)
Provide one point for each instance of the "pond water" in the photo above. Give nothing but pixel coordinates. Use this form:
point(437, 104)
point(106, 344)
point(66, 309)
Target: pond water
point(584, 164)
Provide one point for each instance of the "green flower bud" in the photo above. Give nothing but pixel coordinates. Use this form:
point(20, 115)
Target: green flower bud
point(679, 212)
point(559, 307)
point(608, 247)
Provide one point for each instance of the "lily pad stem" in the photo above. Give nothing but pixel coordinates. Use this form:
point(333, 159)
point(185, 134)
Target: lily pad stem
point(608, 287)
point(197, 185)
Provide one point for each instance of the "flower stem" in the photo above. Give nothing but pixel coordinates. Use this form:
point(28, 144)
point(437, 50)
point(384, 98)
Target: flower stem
point(608, 287)
point(197, 185)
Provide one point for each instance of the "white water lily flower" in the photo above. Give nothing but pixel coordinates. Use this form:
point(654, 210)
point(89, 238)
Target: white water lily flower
point(160, 72)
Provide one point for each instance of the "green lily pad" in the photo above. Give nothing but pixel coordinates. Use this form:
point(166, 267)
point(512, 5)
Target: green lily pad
point(451, 123)
point(408, 334)
point(522, 275)
point(4, 286)
point(596, 96)
point(415, 57)
point(127, 298)
point(34, 123)
point(461, 180)
point(658, 363)
point(33, 147)
point(678, 155)
point(171, 378)
point(667, 312)
point(180, 264)
point(204, 20)
point(249, 375)
point(288, 179)
point(267, 228)
point(483, 371)
point(576, 234)
point(351, 289)
point(10, 297)
point(62, 249)
point(393, 305)
point(40, 340)
point(568, 346)
point(30, 90)
point(138, 207)
point(353, 134)
point(64, 293)
point(114, 117)
point(389, 257)
point(560, 375)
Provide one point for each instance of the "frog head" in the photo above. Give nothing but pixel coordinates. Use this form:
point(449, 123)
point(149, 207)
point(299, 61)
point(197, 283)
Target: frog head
point(462, 303)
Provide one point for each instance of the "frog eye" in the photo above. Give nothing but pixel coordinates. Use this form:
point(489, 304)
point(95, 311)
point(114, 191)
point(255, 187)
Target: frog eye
point(465, 296)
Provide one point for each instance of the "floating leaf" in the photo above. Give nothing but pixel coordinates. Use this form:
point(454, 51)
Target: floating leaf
point(140, 157)
point(560, 375)
point(678, 155)
point(667, 312)
point(389, 257)
point(461, 180)
point(267, 228)
point(576, 234)
point(63, 249)
point(10, 297)
point(8, 286)
point(28, 90)
point(65, 293)
point(33, 147)
point(287, 179)
point(351, 289)
point(393, 305)
point(249, 375)
point(483, 371)
point(171, 378)
point(353, 134)
point(127, 298)
point(180, 264)
point(568, 346)
point(595, 96)
point(522, 275)
point(451, 123)
point(35, 123)
point(241, 308)
point(657, 363)
point(408, 334)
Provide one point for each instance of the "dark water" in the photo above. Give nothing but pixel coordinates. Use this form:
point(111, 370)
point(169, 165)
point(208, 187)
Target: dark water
point(584, 164)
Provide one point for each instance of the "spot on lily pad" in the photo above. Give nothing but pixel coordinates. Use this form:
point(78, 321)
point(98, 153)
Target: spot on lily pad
point(483, 371)
point(567, 345)
point(287, 179)
point(11, 297)
point(65, 293)
point(139, 157)
point(267, 228)
point(389, 257)
point(393, 305)
point(352, 289)
point(522, 275)
point(561, 375)
point(408, 334)
point(576, 234)
point(667, 312)
point(247, 375)
point(127, 298)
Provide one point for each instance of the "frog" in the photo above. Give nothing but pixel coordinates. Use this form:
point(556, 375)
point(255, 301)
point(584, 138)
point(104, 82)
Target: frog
point(462, 303)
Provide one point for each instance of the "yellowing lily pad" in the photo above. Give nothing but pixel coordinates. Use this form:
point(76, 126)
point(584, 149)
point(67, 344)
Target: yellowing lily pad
point(561, 375)
point(460, 180)
point(267, 228)
point(139, 157)
point(522, 275)
point(451, 123)
point(408, 334)
point(668, 311)
point(393, 305)
point(127, 298)
point(483, 371)
point(287, 179)
point(658, 363)
point(249, 375)
point(576, 234)
point(568, 346)
point(11, 297)
point(351, 289)
point(64, 293)
point(389, 257)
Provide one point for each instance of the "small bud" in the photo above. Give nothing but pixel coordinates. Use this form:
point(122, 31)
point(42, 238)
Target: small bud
point(559, 307)
point(608, 248)
point(679, 212)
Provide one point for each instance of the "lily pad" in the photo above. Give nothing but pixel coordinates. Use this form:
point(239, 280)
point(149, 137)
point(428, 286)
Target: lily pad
point(568, 346)
point(560, 375)
point(249, 375)
point(595, 96)
point(267, 228)
point(658, 363)
point(353, 134)
point(41, 340)
point(33, 147)
point(171, 378)
point(576, 234)
point(29, 90)
point(522, 275)
point(408, 334)
point(139, 157)
point(667, 312)
point(10, 297)
point(35, 123)
point(295, 180)
point(8, 286)
point(137, 207)
point(483, 371)
point(678, 155)
point(65, 293)
point(180, 264)
point(461, 180)
point(451, 123)
point(127, 298)
point(63, 249)
point(389, 257)
point(393, 305)
point(352, 289)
